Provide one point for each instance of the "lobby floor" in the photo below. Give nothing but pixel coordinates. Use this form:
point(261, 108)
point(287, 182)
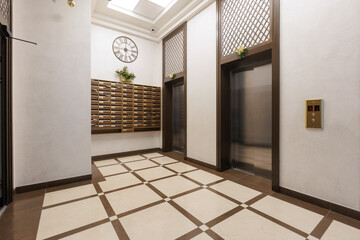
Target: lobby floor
point(157, 196)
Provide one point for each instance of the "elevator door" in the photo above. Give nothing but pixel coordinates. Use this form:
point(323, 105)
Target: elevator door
point(251, 120)
point(178, 117)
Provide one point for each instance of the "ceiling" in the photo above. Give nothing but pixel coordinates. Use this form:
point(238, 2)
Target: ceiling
point(150, 19)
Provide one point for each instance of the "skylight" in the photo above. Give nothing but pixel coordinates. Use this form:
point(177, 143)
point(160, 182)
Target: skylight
point(162, 3)
point(125, 4)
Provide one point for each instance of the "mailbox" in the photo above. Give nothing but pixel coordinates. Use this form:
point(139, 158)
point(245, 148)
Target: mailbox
point(314, 117)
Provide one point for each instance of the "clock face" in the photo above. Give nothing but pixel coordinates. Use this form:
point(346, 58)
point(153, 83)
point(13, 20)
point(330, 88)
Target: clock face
point(125, 49)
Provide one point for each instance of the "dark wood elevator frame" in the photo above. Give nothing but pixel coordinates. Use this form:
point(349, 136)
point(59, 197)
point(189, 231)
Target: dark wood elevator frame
point(6, 108)
point(167, 132)
point(256, 54)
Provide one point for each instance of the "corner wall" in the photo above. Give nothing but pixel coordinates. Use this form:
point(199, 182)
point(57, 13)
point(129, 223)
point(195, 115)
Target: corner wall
point(147, 68)
point(51, 91)
point(320, 58)
point(201, 86)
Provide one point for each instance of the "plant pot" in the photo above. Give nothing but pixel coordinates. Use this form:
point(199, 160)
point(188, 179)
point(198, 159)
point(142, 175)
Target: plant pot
point(125, 80)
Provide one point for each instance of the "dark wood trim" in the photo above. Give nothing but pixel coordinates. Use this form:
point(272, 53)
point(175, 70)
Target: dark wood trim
point(218, 87)
point(38, 186)
point(207, 165)
point(251, 51)
point(185, 89)
point(275, 31)
point(174, 32)
point(178, 76)
point(6, 118)
point(255, 55)
point(167, 94)
point(321, 203)
point(124, 154)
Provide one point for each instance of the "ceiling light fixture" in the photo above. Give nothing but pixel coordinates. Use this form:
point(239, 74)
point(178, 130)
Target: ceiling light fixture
point(125, 4)
point(162, 3)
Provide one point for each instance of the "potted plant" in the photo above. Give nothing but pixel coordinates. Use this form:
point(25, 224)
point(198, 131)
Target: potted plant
point(241, 51)
point(125, 75)
point(172, 76)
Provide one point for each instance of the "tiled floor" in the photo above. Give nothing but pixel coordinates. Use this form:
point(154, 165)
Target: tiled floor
point(152, 196)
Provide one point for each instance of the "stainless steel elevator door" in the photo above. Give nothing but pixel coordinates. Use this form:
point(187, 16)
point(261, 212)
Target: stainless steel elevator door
point(251, 120)
point(178, 118)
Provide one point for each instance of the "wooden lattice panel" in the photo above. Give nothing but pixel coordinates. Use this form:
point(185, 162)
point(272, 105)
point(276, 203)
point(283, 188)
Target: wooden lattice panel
point(5, 10)
point(174, 54)
point(245, 23)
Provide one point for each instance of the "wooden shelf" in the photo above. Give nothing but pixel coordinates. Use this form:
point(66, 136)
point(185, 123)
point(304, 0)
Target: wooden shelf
point(122, 108)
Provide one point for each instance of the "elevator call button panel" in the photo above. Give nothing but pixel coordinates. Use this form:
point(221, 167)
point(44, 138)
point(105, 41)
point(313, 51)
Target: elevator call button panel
point(314, 113)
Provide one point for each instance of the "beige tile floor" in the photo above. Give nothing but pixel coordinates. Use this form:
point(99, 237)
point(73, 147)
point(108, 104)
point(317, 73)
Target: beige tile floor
point(152, 196)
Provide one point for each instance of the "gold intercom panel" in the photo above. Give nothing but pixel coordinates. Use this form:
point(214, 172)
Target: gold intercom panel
point(314, 113)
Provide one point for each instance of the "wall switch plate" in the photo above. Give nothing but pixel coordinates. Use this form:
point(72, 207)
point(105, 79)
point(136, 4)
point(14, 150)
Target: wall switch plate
point(314, 113)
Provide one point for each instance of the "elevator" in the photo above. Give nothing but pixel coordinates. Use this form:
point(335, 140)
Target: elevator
point(250, 120)
point(178, 117)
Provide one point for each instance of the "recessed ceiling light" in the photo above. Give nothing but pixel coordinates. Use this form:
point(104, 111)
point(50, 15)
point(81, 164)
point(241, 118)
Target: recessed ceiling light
point(162, 3)
point(125, 4)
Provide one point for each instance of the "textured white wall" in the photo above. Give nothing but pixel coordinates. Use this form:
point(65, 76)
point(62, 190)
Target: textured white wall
point(51, 91)
point(320, 58)
point(201, 86)
point(147, 68)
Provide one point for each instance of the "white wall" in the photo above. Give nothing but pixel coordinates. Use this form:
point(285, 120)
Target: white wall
point(320, 58)
point(147, 68)
point(51, 91)
point(201, 86)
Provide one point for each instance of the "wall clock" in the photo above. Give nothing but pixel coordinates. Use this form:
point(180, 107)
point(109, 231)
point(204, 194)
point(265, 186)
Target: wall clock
point(125, 49)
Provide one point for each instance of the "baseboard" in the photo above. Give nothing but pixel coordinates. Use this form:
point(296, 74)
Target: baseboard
point(38, 186)
point(207, 165)
point(321, 203)
point(124, 154)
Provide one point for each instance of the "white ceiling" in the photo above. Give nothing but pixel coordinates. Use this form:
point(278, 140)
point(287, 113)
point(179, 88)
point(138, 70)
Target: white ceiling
point(145, 15)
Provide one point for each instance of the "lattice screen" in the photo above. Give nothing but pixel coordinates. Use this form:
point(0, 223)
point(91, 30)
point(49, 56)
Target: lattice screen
point(5, 10)
point(174, 54)
point(244, 22)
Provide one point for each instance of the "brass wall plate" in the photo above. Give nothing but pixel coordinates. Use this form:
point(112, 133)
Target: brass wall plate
point(314, 113)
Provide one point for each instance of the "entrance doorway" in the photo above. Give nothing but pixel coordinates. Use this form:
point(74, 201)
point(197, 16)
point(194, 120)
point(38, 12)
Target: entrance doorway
point(250, 116)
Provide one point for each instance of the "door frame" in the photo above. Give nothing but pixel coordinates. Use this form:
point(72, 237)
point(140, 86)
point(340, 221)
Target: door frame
point(222, 86)
point(6, 116)
point(167, 133)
